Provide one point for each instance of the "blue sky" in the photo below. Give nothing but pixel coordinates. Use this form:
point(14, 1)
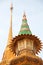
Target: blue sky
point(34, 13)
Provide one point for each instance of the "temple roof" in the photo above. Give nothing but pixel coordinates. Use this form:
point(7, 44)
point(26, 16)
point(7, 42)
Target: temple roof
point(25, 32)
point(24, 27)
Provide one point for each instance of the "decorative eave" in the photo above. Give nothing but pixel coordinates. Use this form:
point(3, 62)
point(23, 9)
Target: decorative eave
point(22, 60)
point(37, 42)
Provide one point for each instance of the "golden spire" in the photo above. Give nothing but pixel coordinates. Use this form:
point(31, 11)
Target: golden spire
point(10, 30)
point(8, 55)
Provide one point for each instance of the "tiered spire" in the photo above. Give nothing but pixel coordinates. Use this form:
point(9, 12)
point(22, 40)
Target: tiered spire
point(24, 27)
point(7, 50)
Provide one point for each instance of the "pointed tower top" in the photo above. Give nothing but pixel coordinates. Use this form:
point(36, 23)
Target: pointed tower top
point(24, 16)
point(6, 53)
point(11, 9)
point(10, 30)
point(24, 27)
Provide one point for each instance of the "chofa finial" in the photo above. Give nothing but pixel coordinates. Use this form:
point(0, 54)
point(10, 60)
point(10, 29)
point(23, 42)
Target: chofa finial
point(24, 16)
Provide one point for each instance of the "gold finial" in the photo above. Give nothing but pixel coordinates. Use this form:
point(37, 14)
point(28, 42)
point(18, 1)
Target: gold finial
point(24, 16)
point(11, 7)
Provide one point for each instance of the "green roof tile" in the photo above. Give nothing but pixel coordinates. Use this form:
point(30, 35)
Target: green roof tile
point(24, 27)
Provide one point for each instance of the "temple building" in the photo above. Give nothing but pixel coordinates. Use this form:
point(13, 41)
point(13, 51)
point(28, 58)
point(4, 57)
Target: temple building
point(22, 49)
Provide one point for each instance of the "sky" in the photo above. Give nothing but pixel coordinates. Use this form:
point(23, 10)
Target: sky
point(34, 13)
